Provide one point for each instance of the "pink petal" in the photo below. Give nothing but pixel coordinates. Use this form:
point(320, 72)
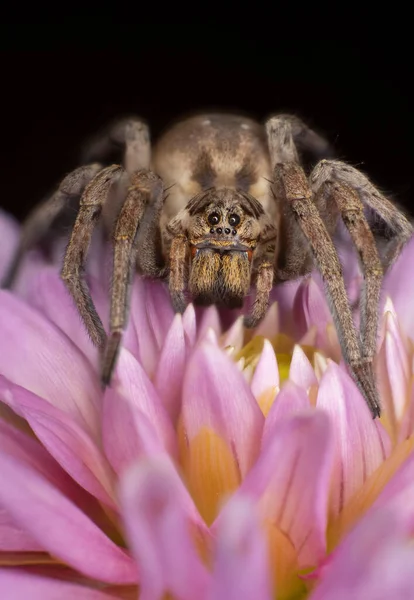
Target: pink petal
point(13, 538)
point(15, 584)
point(241, 566)
point(284, 294)
point(309, 309)
point(361, 443)
point(59, 526)
point(375, 561)
point(216, 396)
point(393, 370)
point(127, 433)
point(132, 382)
point(290, 481)
point(190, 326)
point(291, 400)
point(266, 374)
point(170, 369)
point(210, 319)
point(398, 494)
point(406, 428)
point(151, 314)
point(159, 309)
point(49, 295)
point(270, 325)
point(158, 528)
point(301, 371)
point(401, 288)
point(68, 443)
point(234, 337)
point(40, 358)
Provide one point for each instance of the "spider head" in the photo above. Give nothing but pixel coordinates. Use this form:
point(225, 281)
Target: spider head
point(223, 228)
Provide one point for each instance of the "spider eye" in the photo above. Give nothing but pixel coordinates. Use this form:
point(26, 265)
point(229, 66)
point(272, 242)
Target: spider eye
point(214, 218)
point(234, 220)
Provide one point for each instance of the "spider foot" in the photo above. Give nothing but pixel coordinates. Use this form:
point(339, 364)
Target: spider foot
point(364, 377)
point(110, 356)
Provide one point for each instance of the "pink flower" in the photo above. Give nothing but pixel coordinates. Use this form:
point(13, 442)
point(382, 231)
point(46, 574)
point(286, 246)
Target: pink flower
point(216, 467)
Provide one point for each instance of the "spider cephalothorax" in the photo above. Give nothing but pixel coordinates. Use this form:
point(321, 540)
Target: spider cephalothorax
point(222, 205)
point(226, 231)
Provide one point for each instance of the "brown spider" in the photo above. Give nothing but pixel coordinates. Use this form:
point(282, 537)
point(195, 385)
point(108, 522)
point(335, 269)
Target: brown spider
point(239, 210)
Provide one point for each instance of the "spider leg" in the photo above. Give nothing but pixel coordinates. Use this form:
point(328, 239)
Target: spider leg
point(292, 187)
point(130, 135)
point(92, 200)
point(352, 212)
point(178, 272)
point(264, 284)
point(135, 240)
point(42, 218)
point(399, 226)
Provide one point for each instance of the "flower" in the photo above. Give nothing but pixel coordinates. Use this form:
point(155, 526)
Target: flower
point(219, 464)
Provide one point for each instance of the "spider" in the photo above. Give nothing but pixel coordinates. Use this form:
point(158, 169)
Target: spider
point(219, 204)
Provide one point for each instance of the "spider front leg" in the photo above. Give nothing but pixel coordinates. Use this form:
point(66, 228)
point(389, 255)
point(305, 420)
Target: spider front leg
point(92, 201)
point(292, 188)
point(136, 243)
point(350, 190)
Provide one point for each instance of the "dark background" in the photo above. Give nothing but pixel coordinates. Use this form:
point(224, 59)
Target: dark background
point(57, 92)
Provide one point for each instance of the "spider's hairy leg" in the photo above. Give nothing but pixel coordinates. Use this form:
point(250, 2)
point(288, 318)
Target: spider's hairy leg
point(178, 272)
point(292, 187)
point(264, 284)
point(91, 203)
point(131, 135)
point(400, 228)
point(352, 212)
point(135, 244)
point(294, 257)
point(287, 134)
point(40, 221)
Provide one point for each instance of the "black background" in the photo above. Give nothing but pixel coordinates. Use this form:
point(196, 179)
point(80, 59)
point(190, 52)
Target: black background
point(60, 90)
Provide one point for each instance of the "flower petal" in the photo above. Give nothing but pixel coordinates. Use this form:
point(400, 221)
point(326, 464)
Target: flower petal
point(393, 372)
point(127, 432)
point(190, 326)
point(133, 383)
point(266, 374)
point(59, 526)
point(170, 369)
point(43, 360)
point(241, 569)
point(375, 562)
point(209, 319)
point(151, 314)
point(216, 396)
point(291, 400)
point(13, 538)
point(15, 584)
point(401, 288)
point(310, 309)
point(269, 327)
point(361, 444)
point(49, 295)
point(294, 465)
point(222, 425)
point(158, 527)
point(301, 371)
point(68, 443)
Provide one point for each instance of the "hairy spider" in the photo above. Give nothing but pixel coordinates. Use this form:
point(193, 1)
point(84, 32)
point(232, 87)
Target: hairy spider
point(240, 210)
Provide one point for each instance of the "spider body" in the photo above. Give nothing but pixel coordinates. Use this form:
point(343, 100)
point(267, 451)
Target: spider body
point(222, 204)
